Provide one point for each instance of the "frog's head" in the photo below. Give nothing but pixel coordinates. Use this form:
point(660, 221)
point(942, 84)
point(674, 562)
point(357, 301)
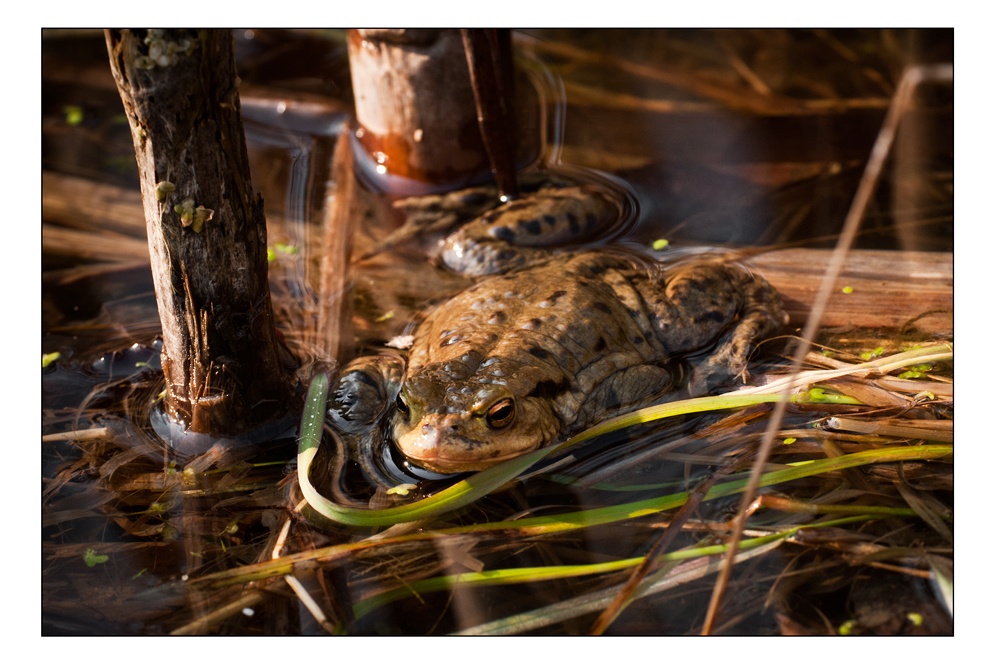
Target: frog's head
point(449, 426)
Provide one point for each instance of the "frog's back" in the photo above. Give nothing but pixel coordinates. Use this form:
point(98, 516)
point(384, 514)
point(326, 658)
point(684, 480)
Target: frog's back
point(559, 330)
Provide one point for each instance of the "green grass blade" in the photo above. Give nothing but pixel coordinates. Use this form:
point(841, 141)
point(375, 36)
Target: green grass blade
point(534, 574)
point(599, 600)
point(479, 484)
point(603, 515)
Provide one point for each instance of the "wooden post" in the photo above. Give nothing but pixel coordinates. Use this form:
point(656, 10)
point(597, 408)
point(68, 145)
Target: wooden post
point(206, 229)
point(415, 106)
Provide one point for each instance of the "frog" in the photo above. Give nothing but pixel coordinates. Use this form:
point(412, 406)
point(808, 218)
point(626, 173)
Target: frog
point(550, 341)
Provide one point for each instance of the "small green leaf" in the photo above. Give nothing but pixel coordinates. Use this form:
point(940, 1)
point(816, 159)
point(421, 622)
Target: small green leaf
point(818, 395)
point(163, 189)
point(185, 210)
point(401, 489)
point(285, 248)
point(200, 215)
point(144, 569)
point(872, 354)
point(48, 358)
point(847, 289)
point(74, 115)
point(912, 374)
point(660, 245)
point(915, 619)
point(788, 441)
point(270, 255)
point(847, 628)
point(91, 558)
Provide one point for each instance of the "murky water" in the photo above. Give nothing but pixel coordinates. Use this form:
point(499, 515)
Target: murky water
point(703, 155)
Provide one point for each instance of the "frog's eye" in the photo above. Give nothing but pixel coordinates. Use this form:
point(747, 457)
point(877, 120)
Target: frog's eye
point(501, 414)
point(401, 404)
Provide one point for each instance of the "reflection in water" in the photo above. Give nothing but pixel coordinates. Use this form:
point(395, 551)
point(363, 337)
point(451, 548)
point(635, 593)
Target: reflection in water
point(681, 130)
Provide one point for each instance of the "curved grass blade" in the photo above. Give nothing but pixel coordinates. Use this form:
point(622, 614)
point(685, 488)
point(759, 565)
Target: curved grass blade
point(460, 494)
point(479, 484)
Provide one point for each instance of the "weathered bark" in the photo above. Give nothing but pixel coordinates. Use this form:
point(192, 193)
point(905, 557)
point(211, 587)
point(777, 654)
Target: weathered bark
point(913, 289)
point(415, 105)
point(206, 228)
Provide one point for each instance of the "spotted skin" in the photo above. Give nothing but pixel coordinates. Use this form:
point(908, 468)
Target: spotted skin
point(563, 343)
point(521, 232)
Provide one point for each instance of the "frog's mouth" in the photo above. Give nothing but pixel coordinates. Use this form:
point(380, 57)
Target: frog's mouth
point(436, 445)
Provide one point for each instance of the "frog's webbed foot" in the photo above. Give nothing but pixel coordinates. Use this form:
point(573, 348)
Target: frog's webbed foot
point(358, 401)
point(521, 232)
point(363, 390)
point(760, 315)
point(432, 216)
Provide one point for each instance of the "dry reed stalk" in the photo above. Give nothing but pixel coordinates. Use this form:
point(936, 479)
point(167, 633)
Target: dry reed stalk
point(334, 301)
point(911, 80)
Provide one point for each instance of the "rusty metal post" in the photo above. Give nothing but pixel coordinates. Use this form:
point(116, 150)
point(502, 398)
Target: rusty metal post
point(415, 106)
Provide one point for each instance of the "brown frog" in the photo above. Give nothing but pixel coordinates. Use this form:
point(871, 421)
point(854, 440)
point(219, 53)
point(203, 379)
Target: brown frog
point(523, 359)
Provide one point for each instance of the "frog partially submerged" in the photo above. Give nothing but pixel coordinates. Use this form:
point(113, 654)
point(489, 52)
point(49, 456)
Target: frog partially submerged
point(522, 359)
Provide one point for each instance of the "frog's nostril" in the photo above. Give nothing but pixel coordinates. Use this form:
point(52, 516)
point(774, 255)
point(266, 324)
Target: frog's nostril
point(454, 428)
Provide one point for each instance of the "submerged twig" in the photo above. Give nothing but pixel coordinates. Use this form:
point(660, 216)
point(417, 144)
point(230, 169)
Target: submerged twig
point(202, 624)
point(309, 603)
point(941, 431)
point(100, 433)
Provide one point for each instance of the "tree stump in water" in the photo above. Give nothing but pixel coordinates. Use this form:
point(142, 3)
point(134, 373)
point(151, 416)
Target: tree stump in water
point(206, 229)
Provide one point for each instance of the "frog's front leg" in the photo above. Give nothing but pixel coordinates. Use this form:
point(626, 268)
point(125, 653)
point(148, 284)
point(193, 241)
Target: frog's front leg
point(363, 391)
point(717, 303)
point(521, 232)
point(427, 216)
point(359, 399)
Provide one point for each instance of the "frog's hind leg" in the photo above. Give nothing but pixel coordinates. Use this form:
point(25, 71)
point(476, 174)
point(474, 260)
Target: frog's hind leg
point(623, 391)
point(359, 400)
point(761, 313)
point(522, 232)
point(704, 303)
